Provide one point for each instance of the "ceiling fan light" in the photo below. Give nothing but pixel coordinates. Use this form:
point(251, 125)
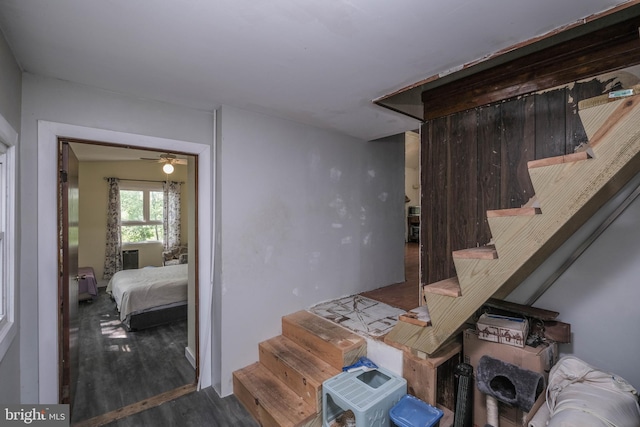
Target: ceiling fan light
point(167, 168)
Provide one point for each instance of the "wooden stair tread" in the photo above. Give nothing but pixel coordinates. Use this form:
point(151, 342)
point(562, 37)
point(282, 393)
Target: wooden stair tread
point(270, 401)
point(329, 341)
point(300, 370)
point(448, 287)
point(481, 252)
point(525, 211)
point(558, 160)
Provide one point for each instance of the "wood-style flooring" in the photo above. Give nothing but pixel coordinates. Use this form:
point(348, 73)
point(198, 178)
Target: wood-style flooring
point(114, 371)
point(120, 369)
point(404, 295)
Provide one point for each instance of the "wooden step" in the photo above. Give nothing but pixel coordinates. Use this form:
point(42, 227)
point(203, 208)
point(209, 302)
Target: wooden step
point(268, 400)
point(526, 211)
point(448, 287)
point(330, 342)
point(300, 370)
point(481, 252)
point(558, 160)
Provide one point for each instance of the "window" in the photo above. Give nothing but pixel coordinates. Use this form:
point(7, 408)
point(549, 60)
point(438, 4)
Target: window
point(7, 241)
point(141, 211)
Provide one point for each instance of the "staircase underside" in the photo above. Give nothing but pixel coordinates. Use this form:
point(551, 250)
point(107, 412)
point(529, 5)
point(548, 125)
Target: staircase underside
point(569, 190)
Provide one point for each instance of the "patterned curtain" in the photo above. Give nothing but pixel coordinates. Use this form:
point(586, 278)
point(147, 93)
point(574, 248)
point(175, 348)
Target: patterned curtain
point(171, 215)
point(113, 252)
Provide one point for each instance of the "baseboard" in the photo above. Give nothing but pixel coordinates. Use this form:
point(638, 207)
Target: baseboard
point(190, 357)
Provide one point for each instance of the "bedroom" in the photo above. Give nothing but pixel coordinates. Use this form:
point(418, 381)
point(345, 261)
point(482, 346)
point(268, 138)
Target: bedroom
point(138, 171)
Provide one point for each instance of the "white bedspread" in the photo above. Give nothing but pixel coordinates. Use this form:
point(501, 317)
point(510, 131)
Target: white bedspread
point(146, 288)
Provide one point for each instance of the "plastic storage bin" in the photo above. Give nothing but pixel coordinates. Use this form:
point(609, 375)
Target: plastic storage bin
point(413, 412)
point(369, 395)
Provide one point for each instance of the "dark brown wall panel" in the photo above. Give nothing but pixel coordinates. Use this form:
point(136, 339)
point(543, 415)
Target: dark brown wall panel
point(489, 166)
point(518, 147)
point(550, 110)
point(463, 188)
point(438, 245)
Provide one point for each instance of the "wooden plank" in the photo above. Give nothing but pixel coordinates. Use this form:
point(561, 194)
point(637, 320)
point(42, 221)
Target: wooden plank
point(450, 287)
point(550, 126)
point(137, 407)
point(518, 147)
point(604, 50)
point(525, 310)
point(427, 225)
point(558, 160)
point(528, 211)
point(300, 370)
point(418, 316)
point(489, 167)
point(482, 252)
point(330, 342)
point(273, 402)
point(462, 191)
point(439, 261)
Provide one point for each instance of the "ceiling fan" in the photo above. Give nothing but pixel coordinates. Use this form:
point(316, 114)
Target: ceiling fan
point(169, 160)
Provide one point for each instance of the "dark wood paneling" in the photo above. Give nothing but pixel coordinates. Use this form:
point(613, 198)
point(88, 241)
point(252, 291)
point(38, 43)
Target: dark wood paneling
point(426, 216)
point(605, 50)
point(518, 147)
point(438, 244)
point(463, 187)
point(489, 166)
point(550, 125)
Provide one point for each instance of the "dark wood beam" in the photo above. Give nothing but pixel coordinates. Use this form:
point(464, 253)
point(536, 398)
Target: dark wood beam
point(601, 51)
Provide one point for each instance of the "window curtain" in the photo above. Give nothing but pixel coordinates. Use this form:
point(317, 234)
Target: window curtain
point(171, 215)
point(113, 252)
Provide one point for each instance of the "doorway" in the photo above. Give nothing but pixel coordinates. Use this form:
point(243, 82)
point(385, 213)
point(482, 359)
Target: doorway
point(47, 267)
point(119, 367)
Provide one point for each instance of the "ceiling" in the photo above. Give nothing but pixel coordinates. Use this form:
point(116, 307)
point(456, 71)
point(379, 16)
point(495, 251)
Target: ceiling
point(317, 62)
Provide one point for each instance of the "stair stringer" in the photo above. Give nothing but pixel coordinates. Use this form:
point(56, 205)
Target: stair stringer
point(569, 193)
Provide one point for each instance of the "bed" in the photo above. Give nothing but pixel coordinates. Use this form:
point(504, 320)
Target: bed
point(150, 296)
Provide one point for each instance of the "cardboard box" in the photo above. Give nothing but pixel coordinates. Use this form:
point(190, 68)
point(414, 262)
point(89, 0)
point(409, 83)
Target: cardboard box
point(503, 329)
point(538, 359)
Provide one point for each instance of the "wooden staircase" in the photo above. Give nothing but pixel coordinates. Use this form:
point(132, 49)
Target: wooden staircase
point(569, 189)
point(284, 388)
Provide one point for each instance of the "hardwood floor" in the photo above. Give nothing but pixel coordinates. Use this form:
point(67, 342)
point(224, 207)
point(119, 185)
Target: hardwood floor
point(404, 295)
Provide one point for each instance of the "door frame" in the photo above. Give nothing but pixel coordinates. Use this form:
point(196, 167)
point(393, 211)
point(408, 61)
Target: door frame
point(48, 339)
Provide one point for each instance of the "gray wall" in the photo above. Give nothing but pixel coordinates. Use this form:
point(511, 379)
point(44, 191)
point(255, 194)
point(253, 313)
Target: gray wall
point(10, 100)
point(306, 215)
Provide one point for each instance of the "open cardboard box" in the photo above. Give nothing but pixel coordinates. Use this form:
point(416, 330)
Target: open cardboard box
point(538, 359)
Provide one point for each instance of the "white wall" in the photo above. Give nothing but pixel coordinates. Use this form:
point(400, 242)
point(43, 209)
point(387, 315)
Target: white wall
point(63, 102)
point(306, 215)
point(10, 100)
point(598, 295)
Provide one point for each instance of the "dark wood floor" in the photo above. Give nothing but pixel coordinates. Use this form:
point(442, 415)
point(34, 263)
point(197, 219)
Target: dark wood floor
point(119, 368)
point(404, 295)
point(105, 345)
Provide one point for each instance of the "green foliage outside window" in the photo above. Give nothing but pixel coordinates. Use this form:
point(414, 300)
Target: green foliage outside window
point(141, 212)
